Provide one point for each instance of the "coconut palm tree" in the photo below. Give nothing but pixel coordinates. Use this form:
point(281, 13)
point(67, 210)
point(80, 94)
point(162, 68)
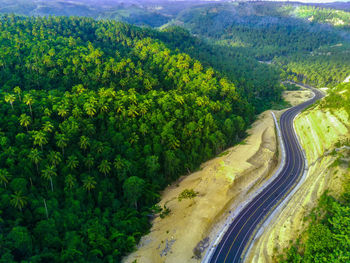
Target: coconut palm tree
point(34, 156)
point(18, 91)
point(89, 183)
point(10, 98)
point(61, 141)
point(48, 173)
point(84, 142)
point(55, 158)
point(72, 162)
point(90, 109)
point(18, 200)
point(105, 167)
point(47, 126)
point(39, 138)
point(28, 99)
point(70, 181)
point(4, 176)
point(24, 120)
point(89, 161)
point(62, 111)
point(47, 112)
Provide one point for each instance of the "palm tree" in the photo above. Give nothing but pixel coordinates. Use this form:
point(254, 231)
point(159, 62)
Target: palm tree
point(89, 161)
point(89, 183)
point(84, 142)
point(10, 98)
point(55, 158)
point(18, 200)
point(103, 106)
point(143, 109)
point(24, 120)
point(62, 111)
point(132, 111)
point(35, 157)
point(48, 173)
point(89, 108)
point(18, 91)
point(70, 181)
point(39, 138)
point(47, 126)
point(105, 167)
point(76, 112)
point(72, 162)
point(47, 112)
point(79, 89)
point(28, 99)
point(4, 176)
point(61, 141)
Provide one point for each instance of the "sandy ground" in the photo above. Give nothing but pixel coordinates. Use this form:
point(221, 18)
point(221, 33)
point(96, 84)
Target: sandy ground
point(318, 131)
point(222, 183)
point(296, 97)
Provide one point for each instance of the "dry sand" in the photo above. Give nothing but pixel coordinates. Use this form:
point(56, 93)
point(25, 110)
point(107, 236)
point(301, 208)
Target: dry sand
point(318, 132)
point(222, 183)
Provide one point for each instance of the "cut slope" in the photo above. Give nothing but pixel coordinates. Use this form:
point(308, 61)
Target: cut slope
point(318, 131)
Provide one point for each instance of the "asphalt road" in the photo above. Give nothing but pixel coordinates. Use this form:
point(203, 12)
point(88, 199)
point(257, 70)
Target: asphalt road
point(236, 238)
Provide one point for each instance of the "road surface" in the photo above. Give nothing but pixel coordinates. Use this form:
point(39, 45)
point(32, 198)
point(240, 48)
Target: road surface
point(231, 247)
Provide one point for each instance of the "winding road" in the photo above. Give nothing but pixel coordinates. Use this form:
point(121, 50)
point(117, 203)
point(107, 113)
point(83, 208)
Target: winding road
point(237, 237)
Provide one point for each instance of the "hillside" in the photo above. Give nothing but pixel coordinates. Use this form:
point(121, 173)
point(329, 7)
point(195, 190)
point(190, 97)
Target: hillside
point(323, 236)
point(97, 117)
point(105, 126)
point(314, 52)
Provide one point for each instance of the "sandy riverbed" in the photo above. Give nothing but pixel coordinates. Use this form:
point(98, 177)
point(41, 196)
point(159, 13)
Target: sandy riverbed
point(222, 183)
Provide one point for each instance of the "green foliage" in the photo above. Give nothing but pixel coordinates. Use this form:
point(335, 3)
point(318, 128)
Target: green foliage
point(338, 97)
point(187, 194)
point(325, 66)
point(96, 118)
point(327, 236)
point(165, 212)
point(337, 18)
point(290, 86)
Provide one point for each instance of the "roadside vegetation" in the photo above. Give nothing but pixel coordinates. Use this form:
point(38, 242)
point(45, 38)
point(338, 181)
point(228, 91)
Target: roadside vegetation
point(327, 237)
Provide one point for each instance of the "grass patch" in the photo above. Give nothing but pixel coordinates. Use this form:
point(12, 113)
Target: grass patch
point(280, 105)
point(223, 153)
point(187, 194)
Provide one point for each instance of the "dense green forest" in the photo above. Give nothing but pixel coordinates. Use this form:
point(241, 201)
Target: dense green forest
point(257, 82)
point(327, 237)
point(337, 18)
point(266, 30)
point(325, 66)
point(278, 34)
point(97, 118)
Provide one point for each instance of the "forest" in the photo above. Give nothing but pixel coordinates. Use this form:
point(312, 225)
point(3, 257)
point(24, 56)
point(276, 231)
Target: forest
point(278, 34)
point(97, 118)
point(326, 66)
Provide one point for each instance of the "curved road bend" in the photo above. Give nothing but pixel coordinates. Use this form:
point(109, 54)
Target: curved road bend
point(236, 238)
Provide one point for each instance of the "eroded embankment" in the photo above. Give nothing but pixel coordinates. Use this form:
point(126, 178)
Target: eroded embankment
point(319, 131)
point(222, 183)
